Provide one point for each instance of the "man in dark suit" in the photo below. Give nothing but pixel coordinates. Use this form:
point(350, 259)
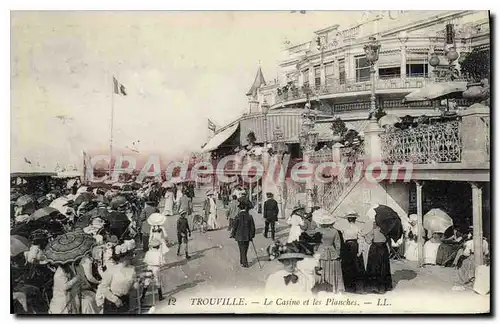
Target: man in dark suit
point(243, 230)
point(271, 211)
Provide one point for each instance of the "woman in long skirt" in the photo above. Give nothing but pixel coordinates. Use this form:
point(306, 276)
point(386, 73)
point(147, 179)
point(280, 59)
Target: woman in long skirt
point(378, 270)
point(168, 209)
point(353, 269)
point(329, 252)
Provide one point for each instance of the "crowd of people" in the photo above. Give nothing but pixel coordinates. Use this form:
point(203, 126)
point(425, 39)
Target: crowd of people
point(85, 238)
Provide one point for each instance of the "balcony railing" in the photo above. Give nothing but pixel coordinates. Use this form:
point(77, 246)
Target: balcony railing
point(334, 86)
point(436, 143)
point(321, 156)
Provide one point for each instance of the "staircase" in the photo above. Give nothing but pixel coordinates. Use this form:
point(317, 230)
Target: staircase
point(334, 193)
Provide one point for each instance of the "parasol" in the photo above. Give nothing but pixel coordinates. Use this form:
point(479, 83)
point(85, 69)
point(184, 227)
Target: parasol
point(44, 212)
point(389, 120)
point(69, 247)
point(388, 221)
point(60, 204)
point(24, 200)
point(118, 201)
point(18, 244)
point(440, 90)
point(83, 197)
point(436, 220)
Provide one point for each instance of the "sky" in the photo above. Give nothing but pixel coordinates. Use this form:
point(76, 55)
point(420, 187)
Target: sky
point(179, 68)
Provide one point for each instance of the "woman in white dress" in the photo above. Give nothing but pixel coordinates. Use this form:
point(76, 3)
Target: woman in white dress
point(65, 299)
point(168, 210)
point(154, 260)
point(411, 242)
point(295, 222)
point(212, 214)
point(157, 231)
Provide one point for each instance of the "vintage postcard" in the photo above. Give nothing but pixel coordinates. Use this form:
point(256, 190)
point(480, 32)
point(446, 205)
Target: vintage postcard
point(243, 162)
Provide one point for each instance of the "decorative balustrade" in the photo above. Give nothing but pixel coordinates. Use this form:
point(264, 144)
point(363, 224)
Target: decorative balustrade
point(324, 155)
point(435, 143)
point(333, 86)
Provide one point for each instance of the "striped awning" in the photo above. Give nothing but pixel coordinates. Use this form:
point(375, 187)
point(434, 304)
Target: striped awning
point(389, 60)
point(220, 138)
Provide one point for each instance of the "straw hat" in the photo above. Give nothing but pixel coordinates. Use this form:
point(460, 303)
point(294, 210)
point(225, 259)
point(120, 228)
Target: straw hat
point(351, 214)
point(322, 217)
point(291, 252)
point(156, 219)
point(210, 192)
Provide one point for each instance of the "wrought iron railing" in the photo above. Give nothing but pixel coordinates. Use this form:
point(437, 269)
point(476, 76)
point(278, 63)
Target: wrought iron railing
point(334, 189)
point(333, 86)
point(436, 143)
point(325, 155)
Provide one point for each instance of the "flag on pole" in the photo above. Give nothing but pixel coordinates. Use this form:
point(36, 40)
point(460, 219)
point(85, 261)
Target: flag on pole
point(211, 125)
point(119, 88)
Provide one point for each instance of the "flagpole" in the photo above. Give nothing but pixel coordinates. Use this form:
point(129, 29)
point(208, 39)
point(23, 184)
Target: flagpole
point(111, 129)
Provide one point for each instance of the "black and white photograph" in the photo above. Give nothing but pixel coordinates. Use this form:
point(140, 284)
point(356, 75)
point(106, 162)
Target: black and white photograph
point(250, 162)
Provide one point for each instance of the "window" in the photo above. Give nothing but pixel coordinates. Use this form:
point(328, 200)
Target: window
point(305, 77)
point(317, 76)
point(329, 73)
point(362, 69)
point(342, 71)
point(417, 70)
point(389, 73)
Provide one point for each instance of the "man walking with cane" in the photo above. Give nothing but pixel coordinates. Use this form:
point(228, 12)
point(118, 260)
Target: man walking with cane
point(243, 230)
point(271, 211)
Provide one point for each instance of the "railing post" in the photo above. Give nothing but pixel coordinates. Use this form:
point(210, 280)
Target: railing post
point(373, 142)
point(473, 131)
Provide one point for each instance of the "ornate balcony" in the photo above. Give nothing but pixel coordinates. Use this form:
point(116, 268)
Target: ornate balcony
point(426, 144)
point(335, 86)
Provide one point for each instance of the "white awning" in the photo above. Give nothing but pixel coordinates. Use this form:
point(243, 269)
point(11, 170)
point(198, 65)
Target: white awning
point(220, 138)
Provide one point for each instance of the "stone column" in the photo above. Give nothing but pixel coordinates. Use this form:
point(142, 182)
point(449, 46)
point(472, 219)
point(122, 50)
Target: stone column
point(403, 63)
point(477, 222)
point(473, 134)
point(420, 223)
point(373, 142)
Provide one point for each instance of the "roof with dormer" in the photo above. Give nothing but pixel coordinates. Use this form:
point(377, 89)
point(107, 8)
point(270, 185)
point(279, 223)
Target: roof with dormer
point(257, 83)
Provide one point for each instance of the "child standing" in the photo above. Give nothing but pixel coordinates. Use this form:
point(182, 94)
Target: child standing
point(154, 259)
point(183, 232)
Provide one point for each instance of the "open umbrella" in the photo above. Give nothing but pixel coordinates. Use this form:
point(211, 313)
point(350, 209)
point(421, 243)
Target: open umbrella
point(24, 200)
point(83, 197)
point(60, 204)
point(435, 91)
point(388, 221)
point(436, 220)
point(18, 244)
point(44, 212)
point(69, 247)
point(389, 120)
